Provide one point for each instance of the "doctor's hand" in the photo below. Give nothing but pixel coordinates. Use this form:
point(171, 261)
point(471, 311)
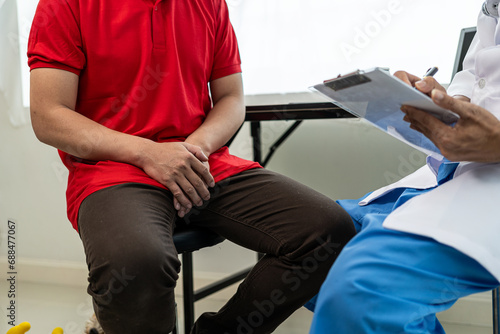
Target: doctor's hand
point(182, 168)
point(425, 85)
point(475, 136)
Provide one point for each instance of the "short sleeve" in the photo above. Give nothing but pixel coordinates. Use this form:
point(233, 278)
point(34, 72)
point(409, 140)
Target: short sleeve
point(55, 40)
point(227, 57)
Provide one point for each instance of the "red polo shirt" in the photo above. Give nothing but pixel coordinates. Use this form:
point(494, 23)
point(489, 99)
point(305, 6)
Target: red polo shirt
point(144, 69)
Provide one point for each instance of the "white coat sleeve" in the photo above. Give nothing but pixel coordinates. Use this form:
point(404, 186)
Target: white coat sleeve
point(463, 82)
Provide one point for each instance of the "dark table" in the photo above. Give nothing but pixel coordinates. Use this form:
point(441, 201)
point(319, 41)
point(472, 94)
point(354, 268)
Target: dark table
point(296, 112)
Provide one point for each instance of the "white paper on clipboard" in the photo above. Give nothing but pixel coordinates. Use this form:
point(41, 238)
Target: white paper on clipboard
point(377, 96)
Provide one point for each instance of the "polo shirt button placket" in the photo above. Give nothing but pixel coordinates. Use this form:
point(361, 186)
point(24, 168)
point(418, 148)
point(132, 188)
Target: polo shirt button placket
point(158, 27)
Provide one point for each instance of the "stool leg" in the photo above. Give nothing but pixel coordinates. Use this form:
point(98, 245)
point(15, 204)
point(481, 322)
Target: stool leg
point(188, 290)
point(174, 331)
point(496, 311)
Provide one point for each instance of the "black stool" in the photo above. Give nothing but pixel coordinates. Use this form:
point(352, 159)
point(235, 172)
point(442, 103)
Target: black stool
point(188, 239)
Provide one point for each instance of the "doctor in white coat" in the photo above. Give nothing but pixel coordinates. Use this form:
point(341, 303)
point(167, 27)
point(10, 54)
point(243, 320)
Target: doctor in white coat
point(434, 236)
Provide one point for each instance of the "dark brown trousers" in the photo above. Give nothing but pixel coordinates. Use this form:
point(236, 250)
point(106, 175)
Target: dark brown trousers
point(133, 265)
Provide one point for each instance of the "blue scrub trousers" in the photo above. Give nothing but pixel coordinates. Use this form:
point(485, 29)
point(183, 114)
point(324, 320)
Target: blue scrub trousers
point(386, 281)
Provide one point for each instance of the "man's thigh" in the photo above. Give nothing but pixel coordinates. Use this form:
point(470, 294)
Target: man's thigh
point(271, 213)
point(123, 225)
point(126, 231)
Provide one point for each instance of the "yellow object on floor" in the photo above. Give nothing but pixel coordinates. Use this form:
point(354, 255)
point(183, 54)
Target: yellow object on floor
point(25, 326)
point(20, 329)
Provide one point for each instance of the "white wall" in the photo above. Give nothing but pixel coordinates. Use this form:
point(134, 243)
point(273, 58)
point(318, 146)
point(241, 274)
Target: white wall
point(32, 182)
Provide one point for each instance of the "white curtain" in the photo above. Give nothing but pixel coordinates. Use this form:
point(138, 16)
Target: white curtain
point(25, 13)
point(11, 87)
point(289, 45)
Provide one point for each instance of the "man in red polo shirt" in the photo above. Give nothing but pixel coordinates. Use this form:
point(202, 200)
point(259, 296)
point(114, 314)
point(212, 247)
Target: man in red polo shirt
point(140, 98)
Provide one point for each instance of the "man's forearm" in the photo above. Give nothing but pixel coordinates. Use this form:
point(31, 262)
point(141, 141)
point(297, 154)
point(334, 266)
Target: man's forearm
point(81, 137)
point(220, 125)
point(226, 116)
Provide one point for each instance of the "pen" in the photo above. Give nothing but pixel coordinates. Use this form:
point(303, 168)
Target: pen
point(430, 72)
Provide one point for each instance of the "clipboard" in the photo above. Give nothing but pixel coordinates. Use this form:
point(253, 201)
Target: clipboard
point(377, 96)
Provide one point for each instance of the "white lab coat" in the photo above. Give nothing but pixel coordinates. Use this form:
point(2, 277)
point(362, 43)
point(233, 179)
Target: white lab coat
point(464, 213)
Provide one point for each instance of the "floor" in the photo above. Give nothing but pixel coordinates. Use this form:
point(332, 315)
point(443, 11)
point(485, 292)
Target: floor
point(50, 306)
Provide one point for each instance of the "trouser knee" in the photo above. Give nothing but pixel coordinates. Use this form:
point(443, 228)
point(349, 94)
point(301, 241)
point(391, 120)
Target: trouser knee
point(134, 293)
point(322, 242)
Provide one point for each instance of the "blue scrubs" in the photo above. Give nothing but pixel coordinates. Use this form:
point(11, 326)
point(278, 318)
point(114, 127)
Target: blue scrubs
point(386, 281)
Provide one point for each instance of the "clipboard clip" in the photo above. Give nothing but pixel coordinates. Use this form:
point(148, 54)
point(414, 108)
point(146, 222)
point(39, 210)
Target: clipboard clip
point(348, 80)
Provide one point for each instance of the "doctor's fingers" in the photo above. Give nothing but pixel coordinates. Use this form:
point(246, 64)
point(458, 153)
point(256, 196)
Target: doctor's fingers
point(464, 109)
point(443, 136)
point(428, 84)
point(468, 112)
point(469, 140)
point(410, 79)
point(425, 123)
